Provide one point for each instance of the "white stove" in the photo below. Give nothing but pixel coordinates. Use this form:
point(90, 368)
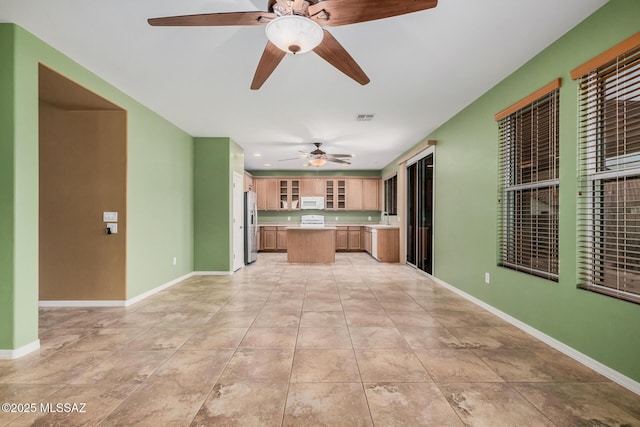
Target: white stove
point(312, 221)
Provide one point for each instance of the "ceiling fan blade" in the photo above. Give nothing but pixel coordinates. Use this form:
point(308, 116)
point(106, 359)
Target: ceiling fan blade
point(342, 162)
point(215, 19)
point(293, 158)
point(270, 59)
point(340, 155)
point(332, 13)
point(333, 52)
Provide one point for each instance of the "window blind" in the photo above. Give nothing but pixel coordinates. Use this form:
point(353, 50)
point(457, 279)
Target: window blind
point(609, 200)
point(528, 188)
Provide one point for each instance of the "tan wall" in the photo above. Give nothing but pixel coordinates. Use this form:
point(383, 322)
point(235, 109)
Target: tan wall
point(82, 174)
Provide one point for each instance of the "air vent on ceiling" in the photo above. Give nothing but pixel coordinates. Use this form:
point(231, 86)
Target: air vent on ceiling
point(364, 117)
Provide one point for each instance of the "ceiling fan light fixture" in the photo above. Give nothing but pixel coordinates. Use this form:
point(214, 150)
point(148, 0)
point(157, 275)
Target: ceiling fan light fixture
point(294, 34)
point(317, 162)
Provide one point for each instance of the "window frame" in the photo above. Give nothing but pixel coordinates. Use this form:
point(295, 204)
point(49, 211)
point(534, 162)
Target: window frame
point(391, 203)
point(513, 248)
point(596, 266)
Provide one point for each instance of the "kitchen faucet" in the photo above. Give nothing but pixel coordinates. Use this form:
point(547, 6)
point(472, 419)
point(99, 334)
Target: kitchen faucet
point(385, 213)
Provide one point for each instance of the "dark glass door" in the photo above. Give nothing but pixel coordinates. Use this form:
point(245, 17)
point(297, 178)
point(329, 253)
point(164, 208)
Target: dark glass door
point(420, 214)
point(411, 213)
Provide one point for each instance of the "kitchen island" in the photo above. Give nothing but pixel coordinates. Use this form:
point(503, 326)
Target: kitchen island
point(311, 245)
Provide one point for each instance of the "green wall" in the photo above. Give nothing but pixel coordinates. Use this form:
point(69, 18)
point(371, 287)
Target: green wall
point(466, 181)
point(7, 144)
point(159, 185)
point(215, 160)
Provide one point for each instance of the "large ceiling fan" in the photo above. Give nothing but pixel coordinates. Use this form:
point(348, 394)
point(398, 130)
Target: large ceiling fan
point(318, 157)
point(295, 26)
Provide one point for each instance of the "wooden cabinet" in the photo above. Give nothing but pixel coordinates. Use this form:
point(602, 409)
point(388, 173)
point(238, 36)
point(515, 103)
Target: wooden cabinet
point(261, 192)
point(363, 194)
point(268, 238)
point(268, 193)
point(371, 194)
point(272, 238)
point(311, 245)
point(272, 194)
point(387, 243)
point(248, 182)
point(342, 238)
point(354, 238)
point(310, 187)
point(288, 194)
point(349, 238)
point(281, 239)
point(354, 194)
point(335, 194)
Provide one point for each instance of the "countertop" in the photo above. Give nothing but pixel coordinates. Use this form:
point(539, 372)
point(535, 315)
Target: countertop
point(297, 227)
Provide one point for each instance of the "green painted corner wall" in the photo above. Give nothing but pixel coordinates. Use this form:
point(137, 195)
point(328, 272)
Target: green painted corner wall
point(159, 182)
point(6, 186)
point(466, 179)
point(215, 160)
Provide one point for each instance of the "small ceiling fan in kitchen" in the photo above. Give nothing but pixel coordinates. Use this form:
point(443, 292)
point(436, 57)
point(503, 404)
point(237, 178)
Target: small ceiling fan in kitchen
point(296, 26)
point(319, 158)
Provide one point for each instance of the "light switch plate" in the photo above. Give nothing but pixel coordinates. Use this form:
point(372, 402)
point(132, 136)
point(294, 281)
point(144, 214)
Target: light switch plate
point(110, 216)
point(113, 226)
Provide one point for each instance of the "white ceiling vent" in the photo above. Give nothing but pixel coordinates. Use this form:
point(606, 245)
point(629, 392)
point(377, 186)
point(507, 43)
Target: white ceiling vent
point(364, 117)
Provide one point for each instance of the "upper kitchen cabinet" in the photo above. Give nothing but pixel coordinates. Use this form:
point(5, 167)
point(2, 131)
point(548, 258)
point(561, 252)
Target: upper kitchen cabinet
point(267, 191)
point(312, 187)
point(354, 194)
point(349, 193)
point(335, 196)
point(248, 182)
point(363, 194)
point(260, 187)
point(289, 194)
point(371, 194)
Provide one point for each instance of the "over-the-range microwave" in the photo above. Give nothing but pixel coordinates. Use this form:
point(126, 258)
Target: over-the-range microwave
point(316, 202)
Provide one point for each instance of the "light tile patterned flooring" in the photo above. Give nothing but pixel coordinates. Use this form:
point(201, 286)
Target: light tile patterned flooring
point(355, 343)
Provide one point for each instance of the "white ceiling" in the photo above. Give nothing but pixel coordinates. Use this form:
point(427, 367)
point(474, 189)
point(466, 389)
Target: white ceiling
point(424, 68)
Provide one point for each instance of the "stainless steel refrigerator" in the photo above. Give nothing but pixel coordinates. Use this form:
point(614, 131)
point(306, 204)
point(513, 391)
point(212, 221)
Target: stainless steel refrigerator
point(250, 227)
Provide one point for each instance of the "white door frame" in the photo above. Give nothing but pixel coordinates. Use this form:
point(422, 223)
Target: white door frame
point(237, 221)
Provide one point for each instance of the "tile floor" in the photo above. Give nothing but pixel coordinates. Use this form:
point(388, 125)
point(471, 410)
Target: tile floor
point(355, 343)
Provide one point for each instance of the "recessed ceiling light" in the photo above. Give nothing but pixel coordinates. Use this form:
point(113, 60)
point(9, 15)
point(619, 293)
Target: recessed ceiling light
point(364, 117)
point(306, 165)
point(267, 164)
point(257, 155)
point(344, 165)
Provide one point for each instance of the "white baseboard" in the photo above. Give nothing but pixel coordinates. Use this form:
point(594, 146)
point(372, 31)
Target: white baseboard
point(212, 273)
point(19, 352)
point(114, 303)
point(147, 294)
point(600, 368)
